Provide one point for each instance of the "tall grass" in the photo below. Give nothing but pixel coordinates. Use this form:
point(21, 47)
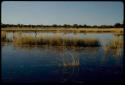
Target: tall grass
point(55, 41)
point(115, 46)
point(3, 36)
point(84, 30)
point(115, 43)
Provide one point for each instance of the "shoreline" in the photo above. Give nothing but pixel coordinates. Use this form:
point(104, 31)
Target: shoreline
point(84, 30)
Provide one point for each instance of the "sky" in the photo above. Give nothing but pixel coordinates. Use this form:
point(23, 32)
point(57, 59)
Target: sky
point(62, 12)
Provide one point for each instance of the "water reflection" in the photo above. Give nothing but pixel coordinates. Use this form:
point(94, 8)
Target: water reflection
point(69, 73)
point(46, 63)
point(70, 58)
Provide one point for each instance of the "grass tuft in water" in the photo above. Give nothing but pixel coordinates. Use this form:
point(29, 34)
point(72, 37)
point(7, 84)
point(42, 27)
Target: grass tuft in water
point(56, 41)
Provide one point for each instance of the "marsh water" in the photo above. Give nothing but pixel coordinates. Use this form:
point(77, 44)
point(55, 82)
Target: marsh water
point(43, 64)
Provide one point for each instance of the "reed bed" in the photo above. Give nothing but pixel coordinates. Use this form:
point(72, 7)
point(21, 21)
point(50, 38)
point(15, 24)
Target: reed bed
point(115, 47)
point(56, 41)
point(84, 30)
point(3, 37)
point(115, 43)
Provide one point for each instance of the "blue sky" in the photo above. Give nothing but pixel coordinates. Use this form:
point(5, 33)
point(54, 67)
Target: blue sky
point(53, 12)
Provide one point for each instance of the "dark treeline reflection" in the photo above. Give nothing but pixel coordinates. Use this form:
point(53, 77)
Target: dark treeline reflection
point(68, 64)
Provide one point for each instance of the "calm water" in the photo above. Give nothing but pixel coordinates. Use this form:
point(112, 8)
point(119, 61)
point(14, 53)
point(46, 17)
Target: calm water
point(42, 64)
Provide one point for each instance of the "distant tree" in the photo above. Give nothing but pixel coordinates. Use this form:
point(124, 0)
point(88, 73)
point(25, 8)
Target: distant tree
point(88, 26)
point(65, 25)
point(75, 25)
point(103, 26)
point(59, 26)
point(109, 26)
point(84, 25)
point(95, 26)
point(80, 26)
point(118, 25)
point(54, 25)
point(122, 25)
point(41, 25)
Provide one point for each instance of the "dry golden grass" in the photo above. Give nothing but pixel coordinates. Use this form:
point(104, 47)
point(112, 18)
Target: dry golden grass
point(3, 36)
point(85, 30)
point(115, 47)
point(114, 44)
point(55, 41)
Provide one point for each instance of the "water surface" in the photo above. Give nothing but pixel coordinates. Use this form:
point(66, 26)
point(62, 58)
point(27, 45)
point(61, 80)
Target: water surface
point(43, 64)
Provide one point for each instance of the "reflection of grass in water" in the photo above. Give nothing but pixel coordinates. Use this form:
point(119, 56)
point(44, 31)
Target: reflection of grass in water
point(119, 34)
point(72, 61)
point(69, 73)
point(66, 56)
point(56, 40)
point(70, 58)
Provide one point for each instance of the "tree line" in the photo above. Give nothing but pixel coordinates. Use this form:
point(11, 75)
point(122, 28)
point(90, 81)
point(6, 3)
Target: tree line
point(117, 25)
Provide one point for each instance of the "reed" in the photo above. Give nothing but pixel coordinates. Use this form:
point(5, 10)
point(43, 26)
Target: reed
point(55, 41)
point(84, 30)
point(114, 47)
point(3, 36)
point(115, 43)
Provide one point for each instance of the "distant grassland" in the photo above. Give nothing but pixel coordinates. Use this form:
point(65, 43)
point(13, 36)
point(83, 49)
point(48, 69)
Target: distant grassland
point(84, 30)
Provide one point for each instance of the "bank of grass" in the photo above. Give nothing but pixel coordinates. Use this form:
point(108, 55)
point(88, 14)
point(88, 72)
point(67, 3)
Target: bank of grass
point(56, 41)
point(84, 30)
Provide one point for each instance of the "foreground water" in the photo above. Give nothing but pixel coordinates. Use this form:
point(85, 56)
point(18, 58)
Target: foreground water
point(43, 64)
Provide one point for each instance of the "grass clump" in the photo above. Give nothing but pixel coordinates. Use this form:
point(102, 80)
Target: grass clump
point(55, 41)
point(3, 36)
point(115, 43)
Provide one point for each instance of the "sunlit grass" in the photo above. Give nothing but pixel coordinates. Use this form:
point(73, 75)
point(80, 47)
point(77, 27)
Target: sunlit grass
point(115, 43)
point(55, 40)
point(115, 46)
point(3, 36)
point(85, 30)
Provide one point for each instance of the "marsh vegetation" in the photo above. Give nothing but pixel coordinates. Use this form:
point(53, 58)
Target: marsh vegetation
point(70, 56)
point(56, 41)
